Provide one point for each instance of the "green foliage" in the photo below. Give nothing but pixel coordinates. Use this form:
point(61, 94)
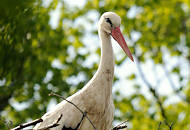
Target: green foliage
point(29, 46)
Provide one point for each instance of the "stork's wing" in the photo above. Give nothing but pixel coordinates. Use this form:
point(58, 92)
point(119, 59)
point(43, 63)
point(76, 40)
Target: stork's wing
point(78, 125)
point(71, 116)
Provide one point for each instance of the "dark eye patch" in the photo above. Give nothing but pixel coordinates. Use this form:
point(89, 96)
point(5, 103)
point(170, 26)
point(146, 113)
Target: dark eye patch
point(109, 21)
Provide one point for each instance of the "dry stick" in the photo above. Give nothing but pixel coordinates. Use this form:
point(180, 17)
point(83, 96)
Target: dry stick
point(52, 125)
point(120, 126)
point(84, 113)
point(34, 122)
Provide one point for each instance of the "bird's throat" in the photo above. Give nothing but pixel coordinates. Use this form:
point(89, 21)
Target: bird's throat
point(107, 58)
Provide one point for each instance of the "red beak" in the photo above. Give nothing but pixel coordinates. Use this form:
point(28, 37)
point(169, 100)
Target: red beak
point(117, 35)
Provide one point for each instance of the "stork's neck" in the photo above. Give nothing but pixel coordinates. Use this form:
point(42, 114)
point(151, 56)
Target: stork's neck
point(107, 58)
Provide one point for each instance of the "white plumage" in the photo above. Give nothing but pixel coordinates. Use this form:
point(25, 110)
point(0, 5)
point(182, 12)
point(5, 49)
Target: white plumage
point(95, 97)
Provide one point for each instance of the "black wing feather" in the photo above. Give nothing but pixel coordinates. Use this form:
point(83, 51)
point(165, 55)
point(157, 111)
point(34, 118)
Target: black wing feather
point(78, 125)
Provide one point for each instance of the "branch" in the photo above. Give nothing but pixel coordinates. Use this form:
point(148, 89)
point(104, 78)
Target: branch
point(168, 77)
point(83, 113)
point(34, 122)
point(166, 123)
point(120, 126)
point(151, 89)
point(169, 125)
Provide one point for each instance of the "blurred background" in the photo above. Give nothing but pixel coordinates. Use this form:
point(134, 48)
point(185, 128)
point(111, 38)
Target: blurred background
point(53, 45)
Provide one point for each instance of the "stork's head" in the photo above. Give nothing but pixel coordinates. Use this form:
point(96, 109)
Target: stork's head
point(110, 24)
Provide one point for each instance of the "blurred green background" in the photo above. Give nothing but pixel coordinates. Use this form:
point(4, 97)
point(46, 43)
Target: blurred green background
point(52, 45)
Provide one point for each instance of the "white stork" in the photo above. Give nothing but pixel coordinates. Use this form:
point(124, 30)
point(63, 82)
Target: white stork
point(95, 98)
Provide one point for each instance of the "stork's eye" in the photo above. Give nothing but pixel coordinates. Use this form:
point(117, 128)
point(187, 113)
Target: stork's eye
point(109, 21)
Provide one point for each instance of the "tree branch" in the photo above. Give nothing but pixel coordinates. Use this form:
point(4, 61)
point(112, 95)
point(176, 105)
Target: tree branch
point(34, 122)
point(151, 89)
point(166, 123)
point(169, 125)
